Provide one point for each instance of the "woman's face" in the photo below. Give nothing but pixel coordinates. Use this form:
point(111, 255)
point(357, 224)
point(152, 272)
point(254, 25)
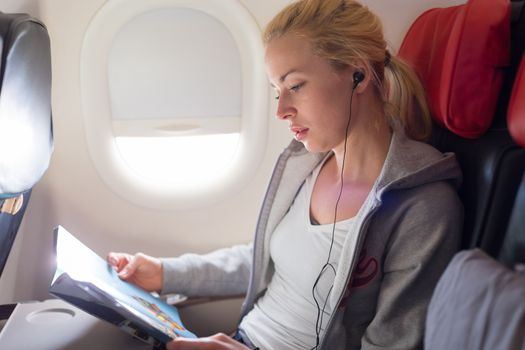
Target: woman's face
point(312, 96)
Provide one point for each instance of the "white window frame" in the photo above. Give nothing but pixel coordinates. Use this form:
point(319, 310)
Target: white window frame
point(97, 112)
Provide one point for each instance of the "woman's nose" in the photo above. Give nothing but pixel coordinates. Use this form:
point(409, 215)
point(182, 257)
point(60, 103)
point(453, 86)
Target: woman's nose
point(285, 109)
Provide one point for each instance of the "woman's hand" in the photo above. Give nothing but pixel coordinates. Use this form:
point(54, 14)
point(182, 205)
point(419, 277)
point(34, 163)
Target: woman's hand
point(218, 341)
point(140, 269)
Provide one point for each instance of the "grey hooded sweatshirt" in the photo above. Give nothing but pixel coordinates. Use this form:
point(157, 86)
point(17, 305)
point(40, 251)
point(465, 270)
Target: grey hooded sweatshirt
point(404, 236)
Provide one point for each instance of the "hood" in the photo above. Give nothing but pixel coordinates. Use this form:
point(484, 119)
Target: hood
point(412, 163)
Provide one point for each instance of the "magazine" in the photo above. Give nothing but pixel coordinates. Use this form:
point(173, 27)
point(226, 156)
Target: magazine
point(87, 281)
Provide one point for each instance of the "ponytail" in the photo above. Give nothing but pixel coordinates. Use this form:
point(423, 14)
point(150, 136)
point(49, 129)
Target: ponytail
point(406, 102)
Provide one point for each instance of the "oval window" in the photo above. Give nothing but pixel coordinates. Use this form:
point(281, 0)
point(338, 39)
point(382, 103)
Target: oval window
point(174, 100)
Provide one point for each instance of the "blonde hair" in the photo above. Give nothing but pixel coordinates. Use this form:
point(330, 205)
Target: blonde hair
point(347, 33)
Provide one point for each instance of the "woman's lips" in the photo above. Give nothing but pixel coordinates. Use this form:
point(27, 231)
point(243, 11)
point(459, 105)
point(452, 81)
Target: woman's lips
point(299, 133)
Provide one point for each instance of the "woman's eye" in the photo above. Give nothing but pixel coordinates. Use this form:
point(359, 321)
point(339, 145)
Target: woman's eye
point(293, 88)
point(296, 88)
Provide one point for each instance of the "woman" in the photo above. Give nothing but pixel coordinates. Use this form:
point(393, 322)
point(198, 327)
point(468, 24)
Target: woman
point(360, 218)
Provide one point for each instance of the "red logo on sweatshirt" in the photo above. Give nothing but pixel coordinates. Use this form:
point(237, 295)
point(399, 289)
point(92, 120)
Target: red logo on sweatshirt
point(365, 271)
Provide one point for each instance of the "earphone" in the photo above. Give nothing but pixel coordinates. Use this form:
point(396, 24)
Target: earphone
point(358, 77)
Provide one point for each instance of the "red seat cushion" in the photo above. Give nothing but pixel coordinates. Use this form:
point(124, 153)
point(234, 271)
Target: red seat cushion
point(458, 52)
point(516, 111)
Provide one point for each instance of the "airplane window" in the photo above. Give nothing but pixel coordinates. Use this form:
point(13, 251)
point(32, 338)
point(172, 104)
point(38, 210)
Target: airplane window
point(174, 64)
point(175, 89)
point(178, 95)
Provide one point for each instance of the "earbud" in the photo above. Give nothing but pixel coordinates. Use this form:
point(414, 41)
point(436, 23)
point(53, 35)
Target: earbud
point(358, 77)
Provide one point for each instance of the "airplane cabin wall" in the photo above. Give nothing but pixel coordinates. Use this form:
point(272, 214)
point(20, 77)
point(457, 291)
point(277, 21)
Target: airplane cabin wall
point(72, 193)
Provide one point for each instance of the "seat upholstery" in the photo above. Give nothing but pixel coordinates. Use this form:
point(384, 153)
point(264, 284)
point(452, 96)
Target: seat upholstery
point(26, 137)
point(513, 248)
point(492, 162)
point(458, 53)
point(478, 303)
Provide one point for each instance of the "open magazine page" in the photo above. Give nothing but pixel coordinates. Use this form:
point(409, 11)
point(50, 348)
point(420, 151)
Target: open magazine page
point(87, 281)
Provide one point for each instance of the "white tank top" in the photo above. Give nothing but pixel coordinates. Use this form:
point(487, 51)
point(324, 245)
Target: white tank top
point(285, 316)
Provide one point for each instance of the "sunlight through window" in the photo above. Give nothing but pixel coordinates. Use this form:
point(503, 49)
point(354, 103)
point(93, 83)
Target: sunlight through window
point(184, 160)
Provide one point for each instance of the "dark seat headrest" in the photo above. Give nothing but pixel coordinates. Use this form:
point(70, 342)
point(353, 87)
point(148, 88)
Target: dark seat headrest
point(26, 138)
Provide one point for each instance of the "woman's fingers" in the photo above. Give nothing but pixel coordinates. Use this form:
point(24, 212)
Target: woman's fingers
point(118, 260)
point(131, 266)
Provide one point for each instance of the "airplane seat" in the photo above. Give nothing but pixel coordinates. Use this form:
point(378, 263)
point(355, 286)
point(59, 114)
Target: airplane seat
point(478, 301)
point(513, 247)
point(26, 136)
point(466, 57)
point(512, 252)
